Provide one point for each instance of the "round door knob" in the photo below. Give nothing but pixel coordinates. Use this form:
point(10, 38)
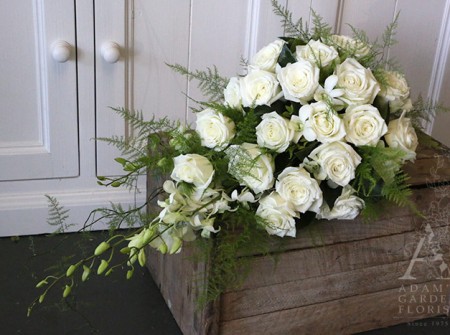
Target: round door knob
point(61, 51)
point(110, 52)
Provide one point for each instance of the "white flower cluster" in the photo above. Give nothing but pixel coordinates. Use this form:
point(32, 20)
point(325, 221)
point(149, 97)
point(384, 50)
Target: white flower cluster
point(336, 110)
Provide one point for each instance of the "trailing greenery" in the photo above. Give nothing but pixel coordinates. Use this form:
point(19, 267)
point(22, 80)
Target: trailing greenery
point(210, 82)
point(228, 253)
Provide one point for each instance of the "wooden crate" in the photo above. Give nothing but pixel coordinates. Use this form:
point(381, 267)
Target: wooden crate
point(336, 277)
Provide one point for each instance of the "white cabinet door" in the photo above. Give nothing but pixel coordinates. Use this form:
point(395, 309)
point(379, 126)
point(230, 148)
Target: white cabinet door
point(38, 90)
point(148, 34)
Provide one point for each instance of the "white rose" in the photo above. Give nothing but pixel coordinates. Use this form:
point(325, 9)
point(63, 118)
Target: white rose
point(396, 91)
point(277, 214)
point(364, 125)
point(359, 85)
point(232, 93)
point(317, 52)
point(401, 135)
point(215, 129)
point(321, 123)
point(266, 58)
point(350, 46)
point(251, 167)
point(298, 80)
point(296, 186)
point(274, 132)
point(194, 169)
point(258, 87)
point(346, 207)
point(337, 162)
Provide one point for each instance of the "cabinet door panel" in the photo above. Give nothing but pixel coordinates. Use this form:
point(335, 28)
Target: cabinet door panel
point(150, 34)
point(38, 98)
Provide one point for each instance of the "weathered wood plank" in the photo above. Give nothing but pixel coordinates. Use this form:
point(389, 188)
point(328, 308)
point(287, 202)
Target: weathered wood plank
point(348, 315)
point(181, 279)
point(391, 221)
point(335, 258)
point(272, 298)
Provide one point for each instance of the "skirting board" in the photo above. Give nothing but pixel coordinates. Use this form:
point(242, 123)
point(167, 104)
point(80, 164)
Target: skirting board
point(26, 214)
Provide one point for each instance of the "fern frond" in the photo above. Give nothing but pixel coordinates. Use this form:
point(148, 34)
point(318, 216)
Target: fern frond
point(291, 28)
point(423, 112)
point(57, 215)
point(321, 28)
point(210, 82)
point(398, 191)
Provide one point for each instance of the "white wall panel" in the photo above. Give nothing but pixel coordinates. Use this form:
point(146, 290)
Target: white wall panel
point(418, 33)
point(370, 15)
point(219, 31)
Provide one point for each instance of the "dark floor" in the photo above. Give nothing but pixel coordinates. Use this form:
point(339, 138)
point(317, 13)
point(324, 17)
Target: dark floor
point(101, 306)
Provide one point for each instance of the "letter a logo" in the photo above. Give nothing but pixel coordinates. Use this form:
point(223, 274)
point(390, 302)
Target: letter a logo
point(436, 257)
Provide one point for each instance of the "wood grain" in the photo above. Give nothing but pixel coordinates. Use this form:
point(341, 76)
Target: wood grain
point(345, 316)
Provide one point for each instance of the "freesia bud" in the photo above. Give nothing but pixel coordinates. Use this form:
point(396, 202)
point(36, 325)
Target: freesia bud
point(67, 291)
point(70, 270)
point(176, 245)
point(141, 257)
point(102, 267)
point(86, 272)
point(41, 283)
point(130, 273)
point(101, 248)
point(125, 250)
point(162, 248)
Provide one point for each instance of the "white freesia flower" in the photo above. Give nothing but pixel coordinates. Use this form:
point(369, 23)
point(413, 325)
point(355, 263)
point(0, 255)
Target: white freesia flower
point(205, 224)
point(296, 186)
point(259, 87)
point(232, 93)
point(193, 168)
point(297, 126)
point(251, 167)
point(266, 58)
point(243, 197)
point(215, 129)
point(346, 207)
point(274, 132)
point(170, 239)
point(278, 215)
point(396, 91)
point(359, 85)
point(337, 162)
point(329, 93)
point(321, 123)
point(401, 135)
point(350, 46)
point(298, 80)
point(364, 125)
point(317, 52)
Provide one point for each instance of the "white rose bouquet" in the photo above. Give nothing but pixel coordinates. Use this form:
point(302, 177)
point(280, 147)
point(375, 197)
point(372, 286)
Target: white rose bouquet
point(317, 128)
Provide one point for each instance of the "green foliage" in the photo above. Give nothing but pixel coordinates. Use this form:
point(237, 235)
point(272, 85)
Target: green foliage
point(57, 215)
point(210, 82)
point(291, 29)
point(423, 112)
point(380, 175)
point(240, 235)
point(245, 129)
